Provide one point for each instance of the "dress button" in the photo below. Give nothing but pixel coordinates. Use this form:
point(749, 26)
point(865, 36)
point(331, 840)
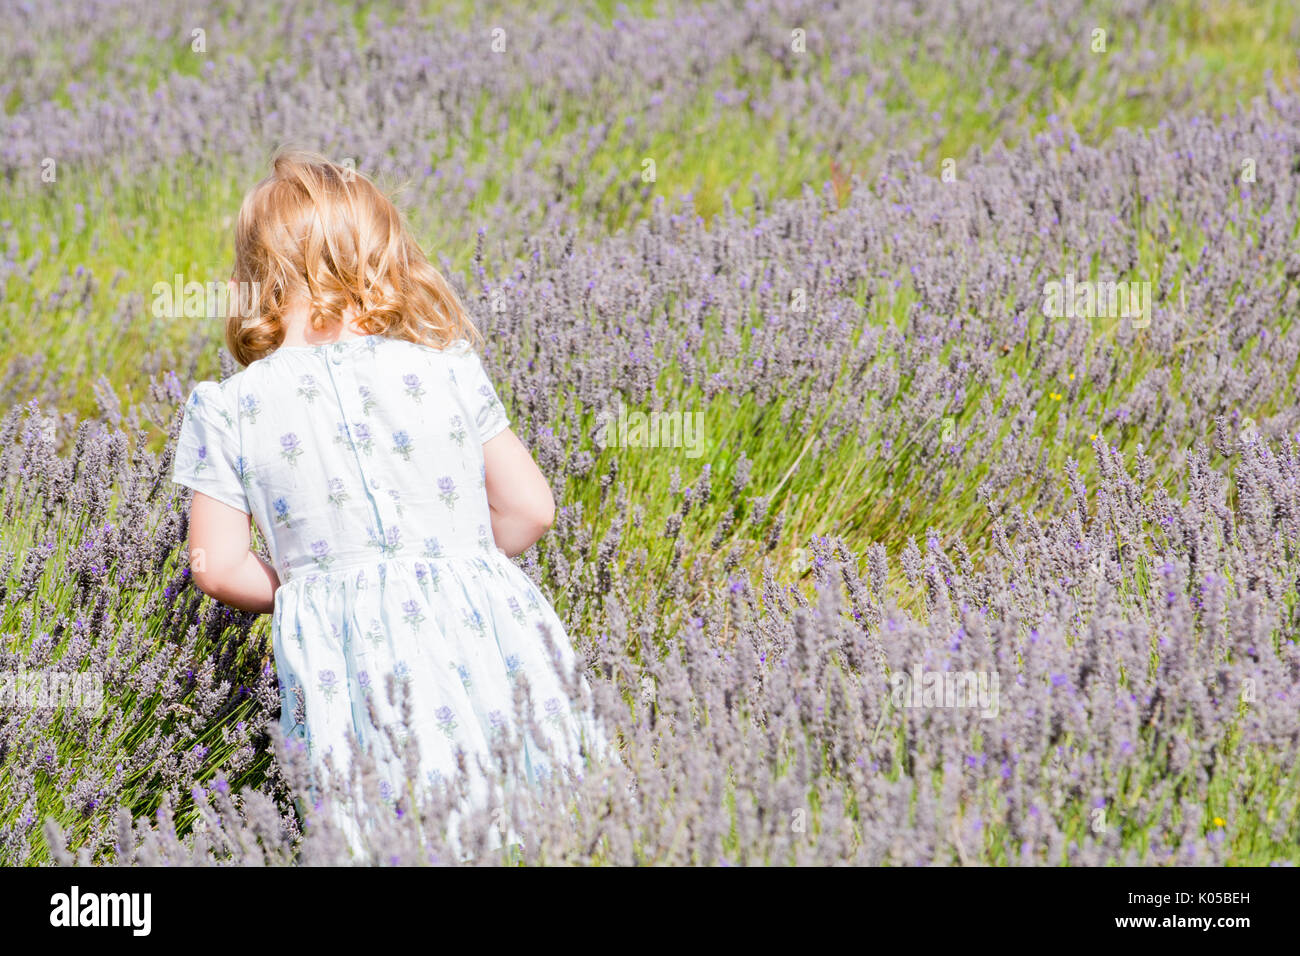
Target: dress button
point(337, 357)
point(374, 483)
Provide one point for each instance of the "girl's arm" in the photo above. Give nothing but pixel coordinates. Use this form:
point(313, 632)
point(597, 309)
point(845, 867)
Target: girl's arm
point(518, 495)
point(221, 561)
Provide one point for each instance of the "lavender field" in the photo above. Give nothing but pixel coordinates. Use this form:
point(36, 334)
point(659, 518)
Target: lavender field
point(892, 529)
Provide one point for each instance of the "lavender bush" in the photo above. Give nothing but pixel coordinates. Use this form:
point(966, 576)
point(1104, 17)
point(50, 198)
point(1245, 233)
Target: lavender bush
point(548, 123)
point(1135, 724)
point(918, 573)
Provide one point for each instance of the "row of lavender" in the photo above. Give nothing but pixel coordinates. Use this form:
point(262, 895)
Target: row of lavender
point(1138, 640)
point(405, 86)
point(411, 98)
point(1110, 726)
point(921, 303)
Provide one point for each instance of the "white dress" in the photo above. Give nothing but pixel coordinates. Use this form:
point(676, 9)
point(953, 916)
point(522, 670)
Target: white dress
point(361, 463)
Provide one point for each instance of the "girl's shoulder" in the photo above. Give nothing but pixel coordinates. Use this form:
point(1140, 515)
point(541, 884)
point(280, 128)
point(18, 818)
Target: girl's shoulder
point(215, 402)
point(213, 393)
point(455, 351)
point(458, 359)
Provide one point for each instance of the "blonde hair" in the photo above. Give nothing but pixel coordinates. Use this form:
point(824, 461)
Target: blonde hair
point(324, 233)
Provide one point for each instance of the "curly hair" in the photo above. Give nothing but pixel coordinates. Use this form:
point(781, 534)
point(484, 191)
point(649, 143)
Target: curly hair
point(316, 231)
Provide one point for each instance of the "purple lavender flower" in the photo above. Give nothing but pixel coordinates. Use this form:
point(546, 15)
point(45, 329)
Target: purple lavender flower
point(249, 407)
point(447, 491)
point(446, 720)
point(320, 551)
point(282, 516)
point(412, 614)
point(328, 683)
point(413, 387)
point(290, 448)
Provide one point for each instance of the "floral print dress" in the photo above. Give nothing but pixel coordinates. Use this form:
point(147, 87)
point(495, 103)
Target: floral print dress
point(361, 463)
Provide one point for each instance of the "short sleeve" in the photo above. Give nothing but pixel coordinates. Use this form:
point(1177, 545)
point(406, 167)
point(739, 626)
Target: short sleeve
point(207, 449)
point(481, 398)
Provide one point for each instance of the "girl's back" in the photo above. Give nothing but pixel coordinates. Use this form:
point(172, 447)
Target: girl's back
point(355, 451)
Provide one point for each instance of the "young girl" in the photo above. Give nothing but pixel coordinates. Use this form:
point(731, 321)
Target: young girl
point(366, 442)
